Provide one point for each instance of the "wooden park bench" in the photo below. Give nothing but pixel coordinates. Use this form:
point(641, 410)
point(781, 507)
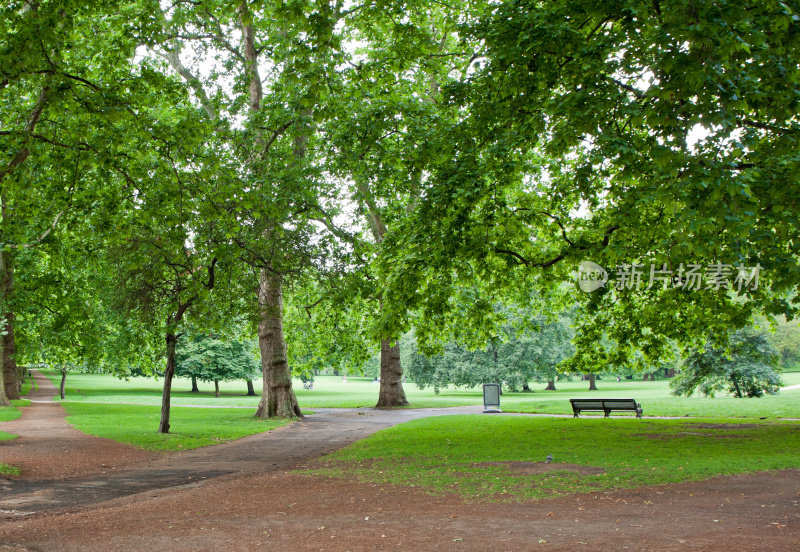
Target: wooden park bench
point(605, 405)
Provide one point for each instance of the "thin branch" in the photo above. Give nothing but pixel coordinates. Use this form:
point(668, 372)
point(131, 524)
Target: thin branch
point(251, 56)
point(81, 80)
point(635, 91)
point(561, 256)
point(563, 230)
point(312, 305)
point(38, 240)
point(210, 283)
point(280, 130)
point(764, 126)
point(174, 60)
point(36, 114)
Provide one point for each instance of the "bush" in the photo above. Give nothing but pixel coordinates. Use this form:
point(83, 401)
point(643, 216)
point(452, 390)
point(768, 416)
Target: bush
point(745, 366)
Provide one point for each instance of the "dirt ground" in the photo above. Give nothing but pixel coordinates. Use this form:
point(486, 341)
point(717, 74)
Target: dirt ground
point(260, 505)
point(49, 448)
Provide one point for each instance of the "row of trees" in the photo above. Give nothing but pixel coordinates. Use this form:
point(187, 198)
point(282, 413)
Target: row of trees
point(340, 174)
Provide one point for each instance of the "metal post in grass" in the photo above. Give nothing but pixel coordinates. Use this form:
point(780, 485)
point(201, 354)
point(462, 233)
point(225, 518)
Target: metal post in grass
point(491, 398)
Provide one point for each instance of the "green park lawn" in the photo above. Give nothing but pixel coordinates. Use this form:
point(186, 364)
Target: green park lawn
point(5, 469)
point(331, 391)
point(475, 456)
point(8, 413)
point(189, 427)
point(469, 455)
point(136, 425)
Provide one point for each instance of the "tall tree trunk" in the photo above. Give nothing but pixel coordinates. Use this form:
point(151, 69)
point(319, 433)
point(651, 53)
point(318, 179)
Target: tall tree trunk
point(251, 392)
point(10, 372)
point(592, 385)
point(169, 372)
point(11, 384)
point(216, 388)
point(738, 390)
point(172, 341)
point(277, 396)
point(63, 386)
point(526, 388)
point(551, 385)
point(195, 389)
point(391, 391)
point(3, 399)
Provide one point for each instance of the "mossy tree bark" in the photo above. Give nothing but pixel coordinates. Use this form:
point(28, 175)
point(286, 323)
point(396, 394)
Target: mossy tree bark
point(163, 426)
point(391, 391)
point(11, 382)
point(277, 398)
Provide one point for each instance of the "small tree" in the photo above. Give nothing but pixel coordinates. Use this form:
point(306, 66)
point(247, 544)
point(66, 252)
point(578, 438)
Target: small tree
point(745, 366)
point(209, 359)
point(520, 354)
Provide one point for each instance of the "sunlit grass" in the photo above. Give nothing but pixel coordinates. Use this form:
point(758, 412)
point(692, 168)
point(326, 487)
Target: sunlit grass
point(333, 392)
point(468, 455)
point(5, 469)
point(190, 427)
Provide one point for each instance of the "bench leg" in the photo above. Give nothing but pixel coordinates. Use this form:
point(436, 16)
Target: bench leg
point(608, 412)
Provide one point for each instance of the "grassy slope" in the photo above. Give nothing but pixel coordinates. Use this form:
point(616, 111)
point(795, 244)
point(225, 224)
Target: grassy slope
point(190, 427)
point(443, 454)
point(8, 413)
point(136, 425)
point(330, 391)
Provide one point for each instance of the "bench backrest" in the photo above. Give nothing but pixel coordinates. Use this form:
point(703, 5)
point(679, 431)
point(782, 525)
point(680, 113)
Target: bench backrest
point(604, 404)
point(587, 403)
point(619, 403)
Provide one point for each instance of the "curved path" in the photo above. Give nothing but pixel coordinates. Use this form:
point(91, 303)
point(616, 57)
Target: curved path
point(88, 470)
point(49, 448)
point(248, 502)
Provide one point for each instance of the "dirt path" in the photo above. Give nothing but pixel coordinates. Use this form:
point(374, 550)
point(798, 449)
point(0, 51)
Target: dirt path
point(49, 448)
point(286, 512)
point(240, 496)
point(64, 468)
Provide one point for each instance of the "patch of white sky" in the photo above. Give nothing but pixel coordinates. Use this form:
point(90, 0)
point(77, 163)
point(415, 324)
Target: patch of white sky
point(206, 63)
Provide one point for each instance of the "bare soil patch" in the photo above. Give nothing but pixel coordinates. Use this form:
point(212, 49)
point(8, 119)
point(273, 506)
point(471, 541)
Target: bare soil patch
point(676, 435)
point(538, 468)
point(724, 426)
point(283, 511)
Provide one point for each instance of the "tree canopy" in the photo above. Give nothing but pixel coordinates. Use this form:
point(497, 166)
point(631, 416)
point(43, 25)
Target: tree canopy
point(210, 359)
point(745, 367)
point(375, 169)
point(624, 133)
